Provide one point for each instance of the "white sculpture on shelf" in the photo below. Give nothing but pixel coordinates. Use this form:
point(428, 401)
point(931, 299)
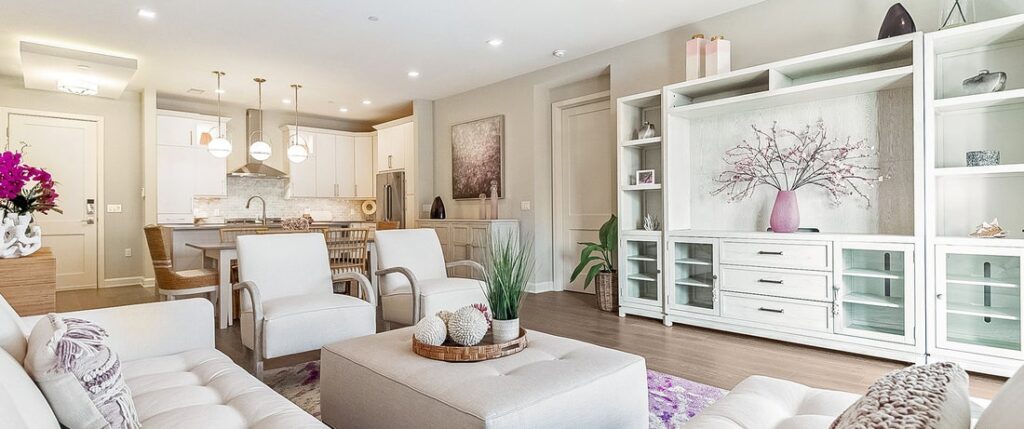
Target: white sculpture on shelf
point(20, 238)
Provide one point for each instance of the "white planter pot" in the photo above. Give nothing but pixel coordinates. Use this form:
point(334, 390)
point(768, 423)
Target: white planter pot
point(19, 237)
point(504, 330)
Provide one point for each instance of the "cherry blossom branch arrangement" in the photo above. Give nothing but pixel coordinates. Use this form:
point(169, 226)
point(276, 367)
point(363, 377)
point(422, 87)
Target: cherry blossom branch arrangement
point(841, 168)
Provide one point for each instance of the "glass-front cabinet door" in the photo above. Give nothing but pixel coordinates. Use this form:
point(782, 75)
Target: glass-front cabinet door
point(640, 275)
point(693, 283)
point(978, 300)
point(874, 291)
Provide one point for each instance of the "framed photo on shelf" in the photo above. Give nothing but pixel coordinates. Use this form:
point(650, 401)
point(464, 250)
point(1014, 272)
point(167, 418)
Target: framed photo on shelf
point(645, 177)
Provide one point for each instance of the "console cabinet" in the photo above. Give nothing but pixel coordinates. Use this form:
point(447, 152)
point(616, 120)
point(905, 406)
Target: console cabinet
point(469, 239)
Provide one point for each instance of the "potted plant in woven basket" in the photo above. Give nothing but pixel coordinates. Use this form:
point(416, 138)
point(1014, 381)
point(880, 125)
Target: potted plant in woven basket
point(509, 268)
point(601, 270)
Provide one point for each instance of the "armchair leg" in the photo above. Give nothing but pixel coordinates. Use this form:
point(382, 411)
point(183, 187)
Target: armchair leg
point(258, 368)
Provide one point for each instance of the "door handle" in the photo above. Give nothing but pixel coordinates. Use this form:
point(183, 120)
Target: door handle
point(89, 221)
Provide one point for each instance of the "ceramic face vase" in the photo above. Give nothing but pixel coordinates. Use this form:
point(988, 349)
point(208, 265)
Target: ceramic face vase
point(785, 213)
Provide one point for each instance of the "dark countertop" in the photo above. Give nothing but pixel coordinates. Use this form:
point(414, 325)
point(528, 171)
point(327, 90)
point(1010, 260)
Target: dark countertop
point(212, 226)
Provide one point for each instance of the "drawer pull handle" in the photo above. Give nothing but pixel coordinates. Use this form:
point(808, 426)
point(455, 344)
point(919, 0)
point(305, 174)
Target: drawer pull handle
point(768, 252)
point(772, 310)
point(774, 282)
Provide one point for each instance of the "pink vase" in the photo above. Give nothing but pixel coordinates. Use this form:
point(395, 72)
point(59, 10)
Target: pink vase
point(786, 213)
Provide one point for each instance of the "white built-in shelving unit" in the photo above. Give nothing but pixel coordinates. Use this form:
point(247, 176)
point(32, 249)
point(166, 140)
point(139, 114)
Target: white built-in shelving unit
point(974, 284)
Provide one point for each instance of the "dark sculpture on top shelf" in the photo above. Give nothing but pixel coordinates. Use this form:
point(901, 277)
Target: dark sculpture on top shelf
point(897, 22)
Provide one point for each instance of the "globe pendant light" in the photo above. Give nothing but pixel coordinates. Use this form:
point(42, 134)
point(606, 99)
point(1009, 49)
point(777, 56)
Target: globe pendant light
point(219, 147)
point(297, 150)
point(259, 149)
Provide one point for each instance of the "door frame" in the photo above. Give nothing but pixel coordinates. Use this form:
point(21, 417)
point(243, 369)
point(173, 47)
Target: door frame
point(6, 112)
point(557, 223)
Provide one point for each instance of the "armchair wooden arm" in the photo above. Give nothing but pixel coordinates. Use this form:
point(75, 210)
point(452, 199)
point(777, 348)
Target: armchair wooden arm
point(364, 285)
point(415, 289)
point(468, 263)
point(253, 291)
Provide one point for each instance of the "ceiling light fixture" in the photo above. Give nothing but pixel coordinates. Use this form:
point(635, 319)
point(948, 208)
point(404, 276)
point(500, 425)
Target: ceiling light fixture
point(367, 102)
point(146, 13)
point(495, 42)
point(297, 150)
point(82, 67)
point(78, 87)
point(559, 53)
point(219, 147)
point(286, 101)
point(259, 149)
point(414, 73)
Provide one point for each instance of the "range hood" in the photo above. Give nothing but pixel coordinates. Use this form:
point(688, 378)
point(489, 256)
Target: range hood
point(254, 167)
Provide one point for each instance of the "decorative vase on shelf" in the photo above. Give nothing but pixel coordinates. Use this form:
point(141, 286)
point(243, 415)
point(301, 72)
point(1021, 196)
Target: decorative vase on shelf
point(897, 22)
point(646, 131)
point(437, 209)
point(504, 331)
point(20, 237)
point(483, 207)
point(494, 199)
point(786, 213)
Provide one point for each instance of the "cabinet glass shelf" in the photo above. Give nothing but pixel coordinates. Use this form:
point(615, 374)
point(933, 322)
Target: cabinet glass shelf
point(694, 280)
point(980, 300)
point(692, 261)
point(641, 271)
point(872, 297)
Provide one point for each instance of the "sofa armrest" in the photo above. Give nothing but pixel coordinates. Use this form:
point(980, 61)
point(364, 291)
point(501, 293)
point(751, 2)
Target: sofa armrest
point(154, 329)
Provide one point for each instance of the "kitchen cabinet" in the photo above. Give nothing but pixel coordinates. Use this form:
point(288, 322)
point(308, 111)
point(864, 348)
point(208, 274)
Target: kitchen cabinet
point(326, 172)
point(185, 169)
point(172, 130)
point(469, 239)
point(340, 165)
point(344, 166)
point(302, 176)
point(395, 146)
point(364, 167)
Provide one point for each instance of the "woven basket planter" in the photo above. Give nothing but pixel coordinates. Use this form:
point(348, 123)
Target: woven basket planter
point(607, 284)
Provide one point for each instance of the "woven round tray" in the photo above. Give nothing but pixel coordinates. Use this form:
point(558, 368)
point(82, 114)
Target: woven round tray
point(486, 350)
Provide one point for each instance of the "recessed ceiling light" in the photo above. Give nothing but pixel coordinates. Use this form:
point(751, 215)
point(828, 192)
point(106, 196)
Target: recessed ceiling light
point(495, 42)
point(367, 102)
point(558, 53)
point(146, 13)
point(82, 67)
point(343, 109)
point(373, 18)
point(414, 73)
point(219, 91)
point(286, 101)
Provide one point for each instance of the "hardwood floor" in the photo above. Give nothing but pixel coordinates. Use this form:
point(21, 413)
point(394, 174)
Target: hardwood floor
point(706, 356)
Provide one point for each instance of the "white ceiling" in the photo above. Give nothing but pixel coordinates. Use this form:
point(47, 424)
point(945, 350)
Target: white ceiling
point(333, 49)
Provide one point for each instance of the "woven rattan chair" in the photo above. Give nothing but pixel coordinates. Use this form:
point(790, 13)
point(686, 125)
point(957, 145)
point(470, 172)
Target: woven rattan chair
point(346, 249)
point(170, 283)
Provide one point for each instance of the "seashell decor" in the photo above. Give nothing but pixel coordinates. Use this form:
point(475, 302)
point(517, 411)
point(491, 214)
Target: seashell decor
point(989, 230)
point(467, 326)
point(431, 330)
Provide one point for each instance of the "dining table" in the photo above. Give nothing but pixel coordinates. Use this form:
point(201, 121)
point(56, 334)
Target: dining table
point(224, 253)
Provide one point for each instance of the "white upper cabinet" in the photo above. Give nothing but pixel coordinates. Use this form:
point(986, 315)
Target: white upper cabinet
point(326, 185)
point(175, 179)
point(175, 130)
point(395, 146)
point(344, 166)
point(340, 165)
point(302, 175)
point(185, 168)
point(363, 167)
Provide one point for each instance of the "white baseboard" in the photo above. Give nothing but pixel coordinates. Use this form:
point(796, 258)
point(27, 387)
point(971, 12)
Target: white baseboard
point(149, 282)
point(540, 287)
point(122, 281)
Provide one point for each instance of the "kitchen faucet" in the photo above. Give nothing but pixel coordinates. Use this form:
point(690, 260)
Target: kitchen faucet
point(263, 202)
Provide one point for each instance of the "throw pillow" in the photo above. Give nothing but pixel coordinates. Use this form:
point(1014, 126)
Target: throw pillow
point(923, 396)
point(79, 374)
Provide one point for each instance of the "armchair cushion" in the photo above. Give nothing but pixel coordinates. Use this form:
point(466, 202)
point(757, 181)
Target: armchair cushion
point(284, 265)
point(435, 295)
point(419, 250)
point(300, 323)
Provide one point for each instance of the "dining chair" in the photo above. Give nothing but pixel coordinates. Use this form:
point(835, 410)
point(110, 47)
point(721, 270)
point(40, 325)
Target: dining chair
point(171, 284)
point(413, 277)
point(346, 249)
point(288, 301)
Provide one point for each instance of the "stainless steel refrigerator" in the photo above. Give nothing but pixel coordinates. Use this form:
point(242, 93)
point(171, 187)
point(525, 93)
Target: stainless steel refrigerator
point(391, 197)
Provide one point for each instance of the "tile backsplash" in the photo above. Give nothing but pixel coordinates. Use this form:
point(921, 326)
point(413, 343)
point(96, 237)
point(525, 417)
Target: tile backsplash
point(275, 192)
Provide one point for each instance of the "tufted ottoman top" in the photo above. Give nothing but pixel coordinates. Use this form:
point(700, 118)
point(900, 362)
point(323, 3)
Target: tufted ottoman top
point(550, 367)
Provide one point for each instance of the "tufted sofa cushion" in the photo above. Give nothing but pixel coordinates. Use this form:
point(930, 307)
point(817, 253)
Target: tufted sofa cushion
point(205, 389)
point(768, 403)
point(378, 381)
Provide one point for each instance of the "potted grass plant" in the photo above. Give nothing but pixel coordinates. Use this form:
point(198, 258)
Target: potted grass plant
point(509, 268)
point(602, 270)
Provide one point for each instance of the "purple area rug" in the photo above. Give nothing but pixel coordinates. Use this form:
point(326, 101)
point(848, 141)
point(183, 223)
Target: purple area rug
point(673, 400)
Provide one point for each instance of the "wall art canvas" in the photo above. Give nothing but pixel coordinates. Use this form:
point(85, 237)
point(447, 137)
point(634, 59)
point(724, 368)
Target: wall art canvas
point(477, 157)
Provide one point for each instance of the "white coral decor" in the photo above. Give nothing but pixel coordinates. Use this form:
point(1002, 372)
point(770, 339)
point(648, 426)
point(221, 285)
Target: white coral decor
point(445, 315)
point(431, 330)
point(467, 326)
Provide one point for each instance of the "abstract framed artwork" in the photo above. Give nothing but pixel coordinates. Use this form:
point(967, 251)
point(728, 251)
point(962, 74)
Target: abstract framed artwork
point(478, 157)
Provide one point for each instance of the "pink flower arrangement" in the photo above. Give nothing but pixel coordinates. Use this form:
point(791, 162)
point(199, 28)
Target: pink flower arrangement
point(25, 189)
point(840, 168)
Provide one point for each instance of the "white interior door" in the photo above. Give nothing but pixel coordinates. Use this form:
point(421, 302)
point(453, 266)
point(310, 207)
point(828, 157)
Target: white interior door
point(67, 148)
point(585, 176)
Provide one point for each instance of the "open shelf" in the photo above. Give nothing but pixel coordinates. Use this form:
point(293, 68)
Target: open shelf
point(833, 88)
point(653, 187)
point(988, 170)
point(873, 300)
point(874, 274)
point(650, 141)
point(688, 281)
point(692, 261)
point(1004, 313)
point(993, 32)
point(967, 102)
point(981, 281)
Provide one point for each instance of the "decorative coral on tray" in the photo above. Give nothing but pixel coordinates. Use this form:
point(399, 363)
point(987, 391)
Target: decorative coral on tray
point(841, 168)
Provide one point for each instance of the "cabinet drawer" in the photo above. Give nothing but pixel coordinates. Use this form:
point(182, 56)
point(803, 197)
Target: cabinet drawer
point(789, 284)
point(770, 311)
point(800, 255)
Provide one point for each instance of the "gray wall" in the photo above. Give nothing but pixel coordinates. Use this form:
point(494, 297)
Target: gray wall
point(765, 32)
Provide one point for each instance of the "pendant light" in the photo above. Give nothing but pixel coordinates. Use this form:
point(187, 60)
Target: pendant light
point(259, 149)
point(219, 147)
point(297, 150)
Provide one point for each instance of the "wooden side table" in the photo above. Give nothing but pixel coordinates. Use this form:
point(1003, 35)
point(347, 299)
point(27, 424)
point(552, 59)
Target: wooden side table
point(29, 283)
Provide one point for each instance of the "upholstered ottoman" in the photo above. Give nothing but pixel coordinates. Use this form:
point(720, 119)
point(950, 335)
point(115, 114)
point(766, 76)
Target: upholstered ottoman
point(378, 382)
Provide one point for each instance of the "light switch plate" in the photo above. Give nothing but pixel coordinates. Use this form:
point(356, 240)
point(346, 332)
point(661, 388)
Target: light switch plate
point(128, 252)
point(113, 208)
point(524, 205)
